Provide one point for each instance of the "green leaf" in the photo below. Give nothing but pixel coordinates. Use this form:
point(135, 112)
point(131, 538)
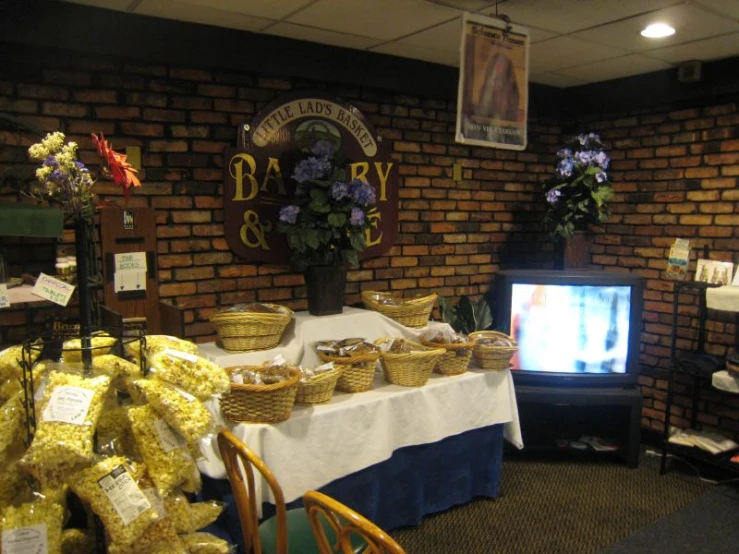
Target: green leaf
point(337, 219)
point(320, 208)
point(447, 311)
point(318, 195)
point(350, 257)
point(483, 316)
point(357, 241)
point(311, 238)
point(467, 314)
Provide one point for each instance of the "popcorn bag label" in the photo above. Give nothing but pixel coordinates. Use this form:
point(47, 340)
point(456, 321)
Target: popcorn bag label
point(68, 405)
point(26, 540)
point(181, 355)
point(168, 439)
point(124, 494)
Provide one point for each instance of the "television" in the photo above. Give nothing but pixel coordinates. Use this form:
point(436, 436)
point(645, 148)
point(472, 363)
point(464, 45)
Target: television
point(573, 328)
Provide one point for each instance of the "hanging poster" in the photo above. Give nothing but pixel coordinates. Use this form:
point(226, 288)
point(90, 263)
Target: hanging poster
point(258, 174)
point(492, 100)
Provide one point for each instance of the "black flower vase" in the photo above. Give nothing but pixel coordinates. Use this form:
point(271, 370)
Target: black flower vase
point(325, 286)
point(576, 251)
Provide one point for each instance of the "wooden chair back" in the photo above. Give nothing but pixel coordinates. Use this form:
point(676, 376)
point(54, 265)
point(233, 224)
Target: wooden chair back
point(345, 523)
point(240, 463)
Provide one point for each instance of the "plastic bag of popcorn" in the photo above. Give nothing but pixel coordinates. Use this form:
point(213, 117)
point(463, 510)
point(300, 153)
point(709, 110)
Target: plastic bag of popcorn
point(33, 525)
point(205, 513)
point(162, 449)
point(114, 434)
point(78, 541)
point(10, 358)
point(99, 345)
point(116, 368)
point(161, 536)
point(205, 543)
point(156, 343)
point(192, 373)
point(183, 412)
point(67, 418)
point(68, 415)
point(12, 424)
point(13, 484)
point(111, 489)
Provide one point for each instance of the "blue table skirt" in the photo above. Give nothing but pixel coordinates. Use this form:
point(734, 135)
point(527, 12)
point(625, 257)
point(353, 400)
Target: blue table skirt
point(416, 481)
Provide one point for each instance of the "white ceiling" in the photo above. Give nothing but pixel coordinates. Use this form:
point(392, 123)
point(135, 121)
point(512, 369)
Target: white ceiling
point(574, 42)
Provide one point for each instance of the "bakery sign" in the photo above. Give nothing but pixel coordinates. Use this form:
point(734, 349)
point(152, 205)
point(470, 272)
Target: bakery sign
point(258, 174)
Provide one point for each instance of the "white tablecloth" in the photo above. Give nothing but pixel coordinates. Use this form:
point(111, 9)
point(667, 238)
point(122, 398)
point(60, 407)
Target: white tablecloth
point(304, 330)
point(321, 443)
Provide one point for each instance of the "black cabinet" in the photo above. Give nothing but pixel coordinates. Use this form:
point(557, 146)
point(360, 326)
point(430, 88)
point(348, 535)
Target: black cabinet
point(697, 367)
point(548, 413)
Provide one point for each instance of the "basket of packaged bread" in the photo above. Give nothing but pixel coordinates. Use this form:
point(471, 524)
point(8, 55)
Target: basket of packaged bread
point(405, 362)
point(261, 394)
point(410, 312)
point(458, 348)
point(253, 326)
point(355, 357)
point(493, 349)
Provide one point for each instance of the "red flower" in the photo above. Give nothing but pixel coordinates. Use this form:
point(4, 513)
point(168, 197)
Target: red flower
point(115, 165)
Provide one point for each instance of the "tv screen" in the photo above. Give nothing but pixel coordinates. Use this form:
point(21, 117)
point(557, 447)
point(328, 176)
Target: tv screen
point(572, 328)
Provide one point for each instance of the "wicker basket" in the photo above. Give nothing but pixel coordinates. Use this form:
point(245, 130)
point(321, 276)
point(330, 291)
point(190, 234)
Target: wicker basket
point(320, 388)
point(411, 312)
point(455, 360)
point(244, 331)
point(411, 369)
point(493, 357)
point(357, 372)
point(260, 403)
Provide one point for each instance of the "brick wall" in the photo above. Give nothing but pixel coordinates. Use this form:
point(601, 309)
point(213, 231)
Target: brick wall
point(674, 169)
point(452, 235)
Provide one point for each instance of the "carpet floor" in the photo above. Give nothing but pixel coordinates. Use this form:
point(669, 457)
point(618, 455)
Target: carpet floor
point(557, 506)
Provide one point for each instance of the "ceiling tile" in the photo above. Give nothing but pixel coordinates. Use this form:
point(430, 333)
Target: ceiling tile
point(382, 19)
point(466, 5)
point(119, 5)
point(709, 49)
point(321, 36)
point(271, 9)
point(552, 55)
point(567, 16)
point(418, 53)
point(556, 80)
point(690, 23)
point(173, 9)
point(723, 7)
point(446, 37)
point(615, 68)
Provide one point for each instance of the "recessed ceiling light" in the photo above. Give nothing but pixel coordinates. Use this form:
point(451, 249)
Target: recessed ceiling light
point(657, 30)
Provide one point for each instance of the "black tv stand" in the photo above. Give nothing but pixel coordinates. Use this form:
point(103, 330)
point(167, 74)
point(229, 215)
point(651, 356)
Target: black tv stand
point(547, 411)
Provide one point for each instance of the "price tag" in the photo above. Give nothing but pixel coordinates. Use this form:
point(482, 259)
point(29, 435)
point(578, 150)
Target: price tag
point(4, 298)
point(124, 494)
point(68, 405)
point(26, 540)
point(52, 289)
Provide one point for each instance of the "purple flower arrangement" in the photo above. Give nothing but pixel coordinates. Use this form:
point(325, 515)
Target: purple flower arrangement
point(326, 222)
point(577, 195)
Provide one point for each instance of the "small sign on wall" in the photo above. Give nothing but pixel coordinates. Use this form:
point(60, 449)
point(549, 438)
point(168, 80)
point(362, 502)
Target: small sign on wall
point(130, 272)
point(4, 299)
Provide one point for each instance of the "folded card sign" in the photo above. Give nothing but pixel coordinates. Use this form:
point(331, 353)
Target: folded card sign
point(52, 289)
